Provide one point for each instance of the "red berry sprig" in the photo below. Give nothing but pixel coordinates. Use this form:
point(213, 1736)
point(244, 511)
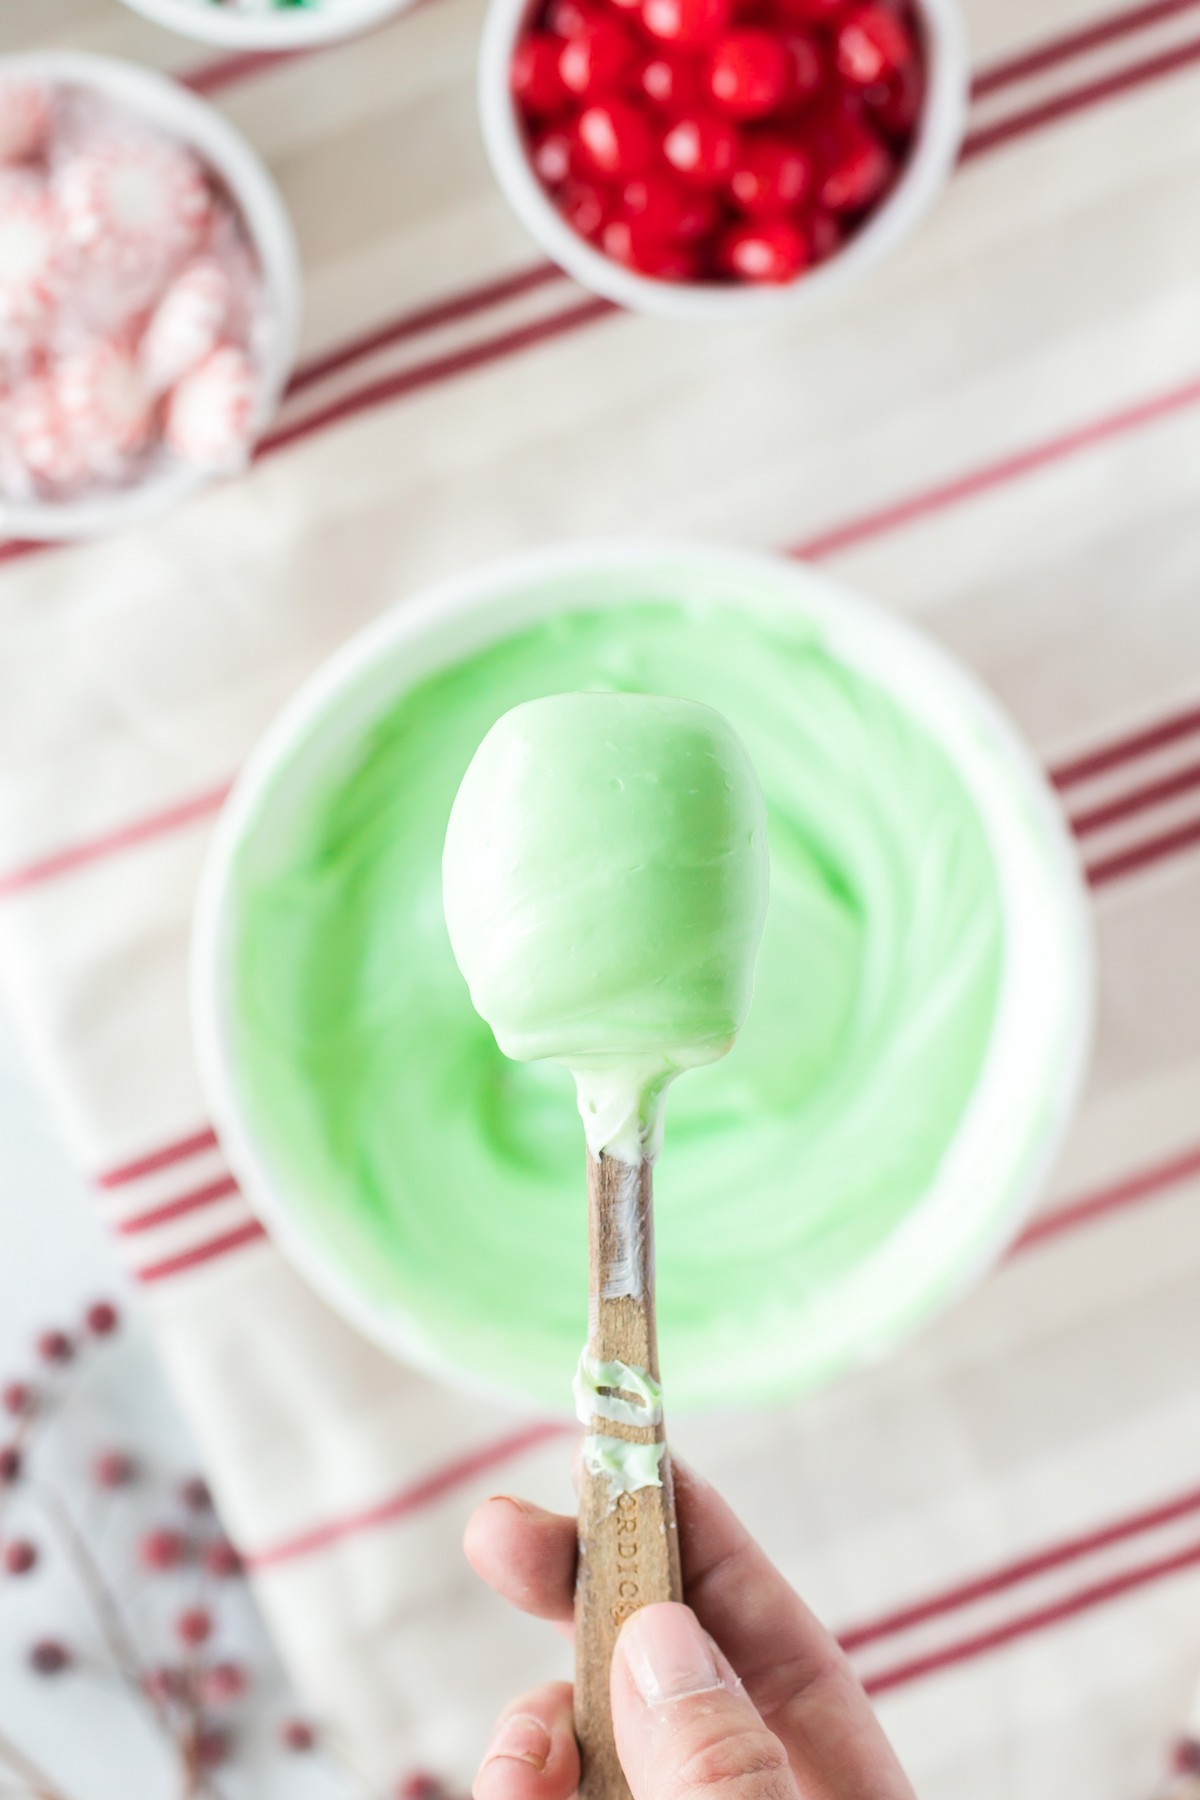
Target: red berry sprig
point(199, 1698)
point(55, 1347)
point(194, 1626)
point(20, 1557)
point(114, 1469)
point(720, 140)
point(164, 1549)
point(49, 1657)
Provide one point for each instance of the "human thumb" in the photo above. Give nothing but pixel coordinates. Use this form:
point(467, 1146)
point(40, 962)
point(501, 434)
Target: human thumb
point(683, 1722)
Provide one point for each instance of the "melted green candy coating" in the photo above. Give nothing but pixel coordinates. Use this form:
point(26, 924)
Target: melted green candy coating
point(445, 1182)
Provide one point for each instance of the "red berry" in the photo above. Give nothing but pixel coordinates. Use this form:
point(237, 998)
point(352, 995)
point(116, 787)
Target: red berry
point(165, 1684)
point(20, 1556)
point(49, 1657)
point(18, 1399)
point(195, 1496)
point(420, 1785)
point(585, 208)
point(102, 1318)
point(534, 78)
point(195, 1626)
point(221, 1560)
point(772, 251)
point(872, 43)
point(224, 1683)
point(686, 21)
point(297, 1735)
point(824, 235)
point(10, 1464)
point(772, 175)
point(748, 74)
point(895, 104)
point(615, 139)
point(805, 66)
point(668, 210)
point(702, 148)
point(55, 1347)
point(552, 156)
point(812, 12)
point(672, 82)
point(633, 244)
point(163, 1550)
point(1185, 1756)
point(567, 17)
point(212, 1746)
point(856, 172)
point(113, 1469)
point(592, 63)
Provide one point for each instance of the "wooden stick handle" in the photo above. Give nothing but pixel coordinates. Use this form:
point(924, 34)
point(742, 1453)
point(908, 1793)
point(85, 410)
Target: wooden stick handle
point(628, 1546)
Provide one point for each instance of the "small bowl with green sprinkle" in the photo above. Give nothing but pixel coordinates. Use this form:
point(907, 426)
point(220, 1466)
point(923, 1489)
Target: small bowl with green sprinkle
point(268, 24)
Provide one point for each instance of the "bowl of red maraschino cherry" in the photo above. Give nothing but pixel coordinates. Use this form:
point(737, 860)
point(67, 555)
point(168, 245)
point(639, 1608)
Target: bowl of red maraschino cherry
point(694, 158)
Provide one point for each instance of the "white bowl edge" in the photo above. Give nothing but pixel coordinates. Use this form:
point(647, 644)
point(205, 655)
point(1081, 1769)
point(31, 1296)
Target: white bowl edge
point(453, 618)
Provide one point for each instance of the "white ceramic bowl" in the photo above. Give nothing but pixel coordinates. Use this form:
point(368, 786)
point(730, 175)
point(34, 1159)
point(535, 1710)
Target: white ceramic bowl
point(925, 174)
point(162, 103)
point(994, 1167)
point(290, 29)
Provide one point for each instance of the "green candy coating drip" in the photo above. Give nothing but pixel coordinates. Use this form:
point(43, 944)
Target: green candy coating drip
point(625, 1466)
point(599, 1385)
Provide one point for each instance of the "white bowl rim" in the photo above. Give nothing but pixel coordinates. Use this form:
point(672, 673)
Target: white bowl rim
point(290, 29)
point(487, 599)
point(164, 103)
point(925, 175)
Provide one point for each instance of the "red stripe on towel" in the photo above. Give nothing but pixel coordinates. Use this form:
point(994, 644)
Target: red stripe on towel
point(1026, 63)
point(1041, 1618)
point(437, 369)
point(1088, 1207)
point(1183, 781)
point(1022, 1569)
point(202, 1253)
point(242, 65)
point(163, 1158)
point(123, 837)
point(1142, 742)
point(1144, 855)
point(178, 1209)
point(425, 318)
point(989, 476)
point(412, 1499)
point(1092, 93)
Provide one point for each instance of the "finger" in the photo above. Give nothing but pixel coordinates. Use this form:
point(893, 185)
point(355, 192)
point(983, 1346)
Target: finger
point(533, 1754)
point(794, 1669)
point(525, 1553)
point(684, 1725)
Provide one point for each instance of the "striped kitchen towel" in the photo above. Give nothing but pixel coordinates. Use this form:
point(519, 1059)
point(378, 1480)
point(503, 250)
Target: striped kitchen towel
point(997, 434)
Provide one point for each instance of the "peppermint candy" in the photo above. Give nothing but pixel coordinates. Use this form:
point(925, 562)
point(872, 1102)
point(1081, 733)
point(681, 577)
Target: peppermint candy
point(105, 403)
point(186, 325)
point(45, 438)
point(24, 120)
point(134, 205)
point(31, 261)
point(210, 415)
